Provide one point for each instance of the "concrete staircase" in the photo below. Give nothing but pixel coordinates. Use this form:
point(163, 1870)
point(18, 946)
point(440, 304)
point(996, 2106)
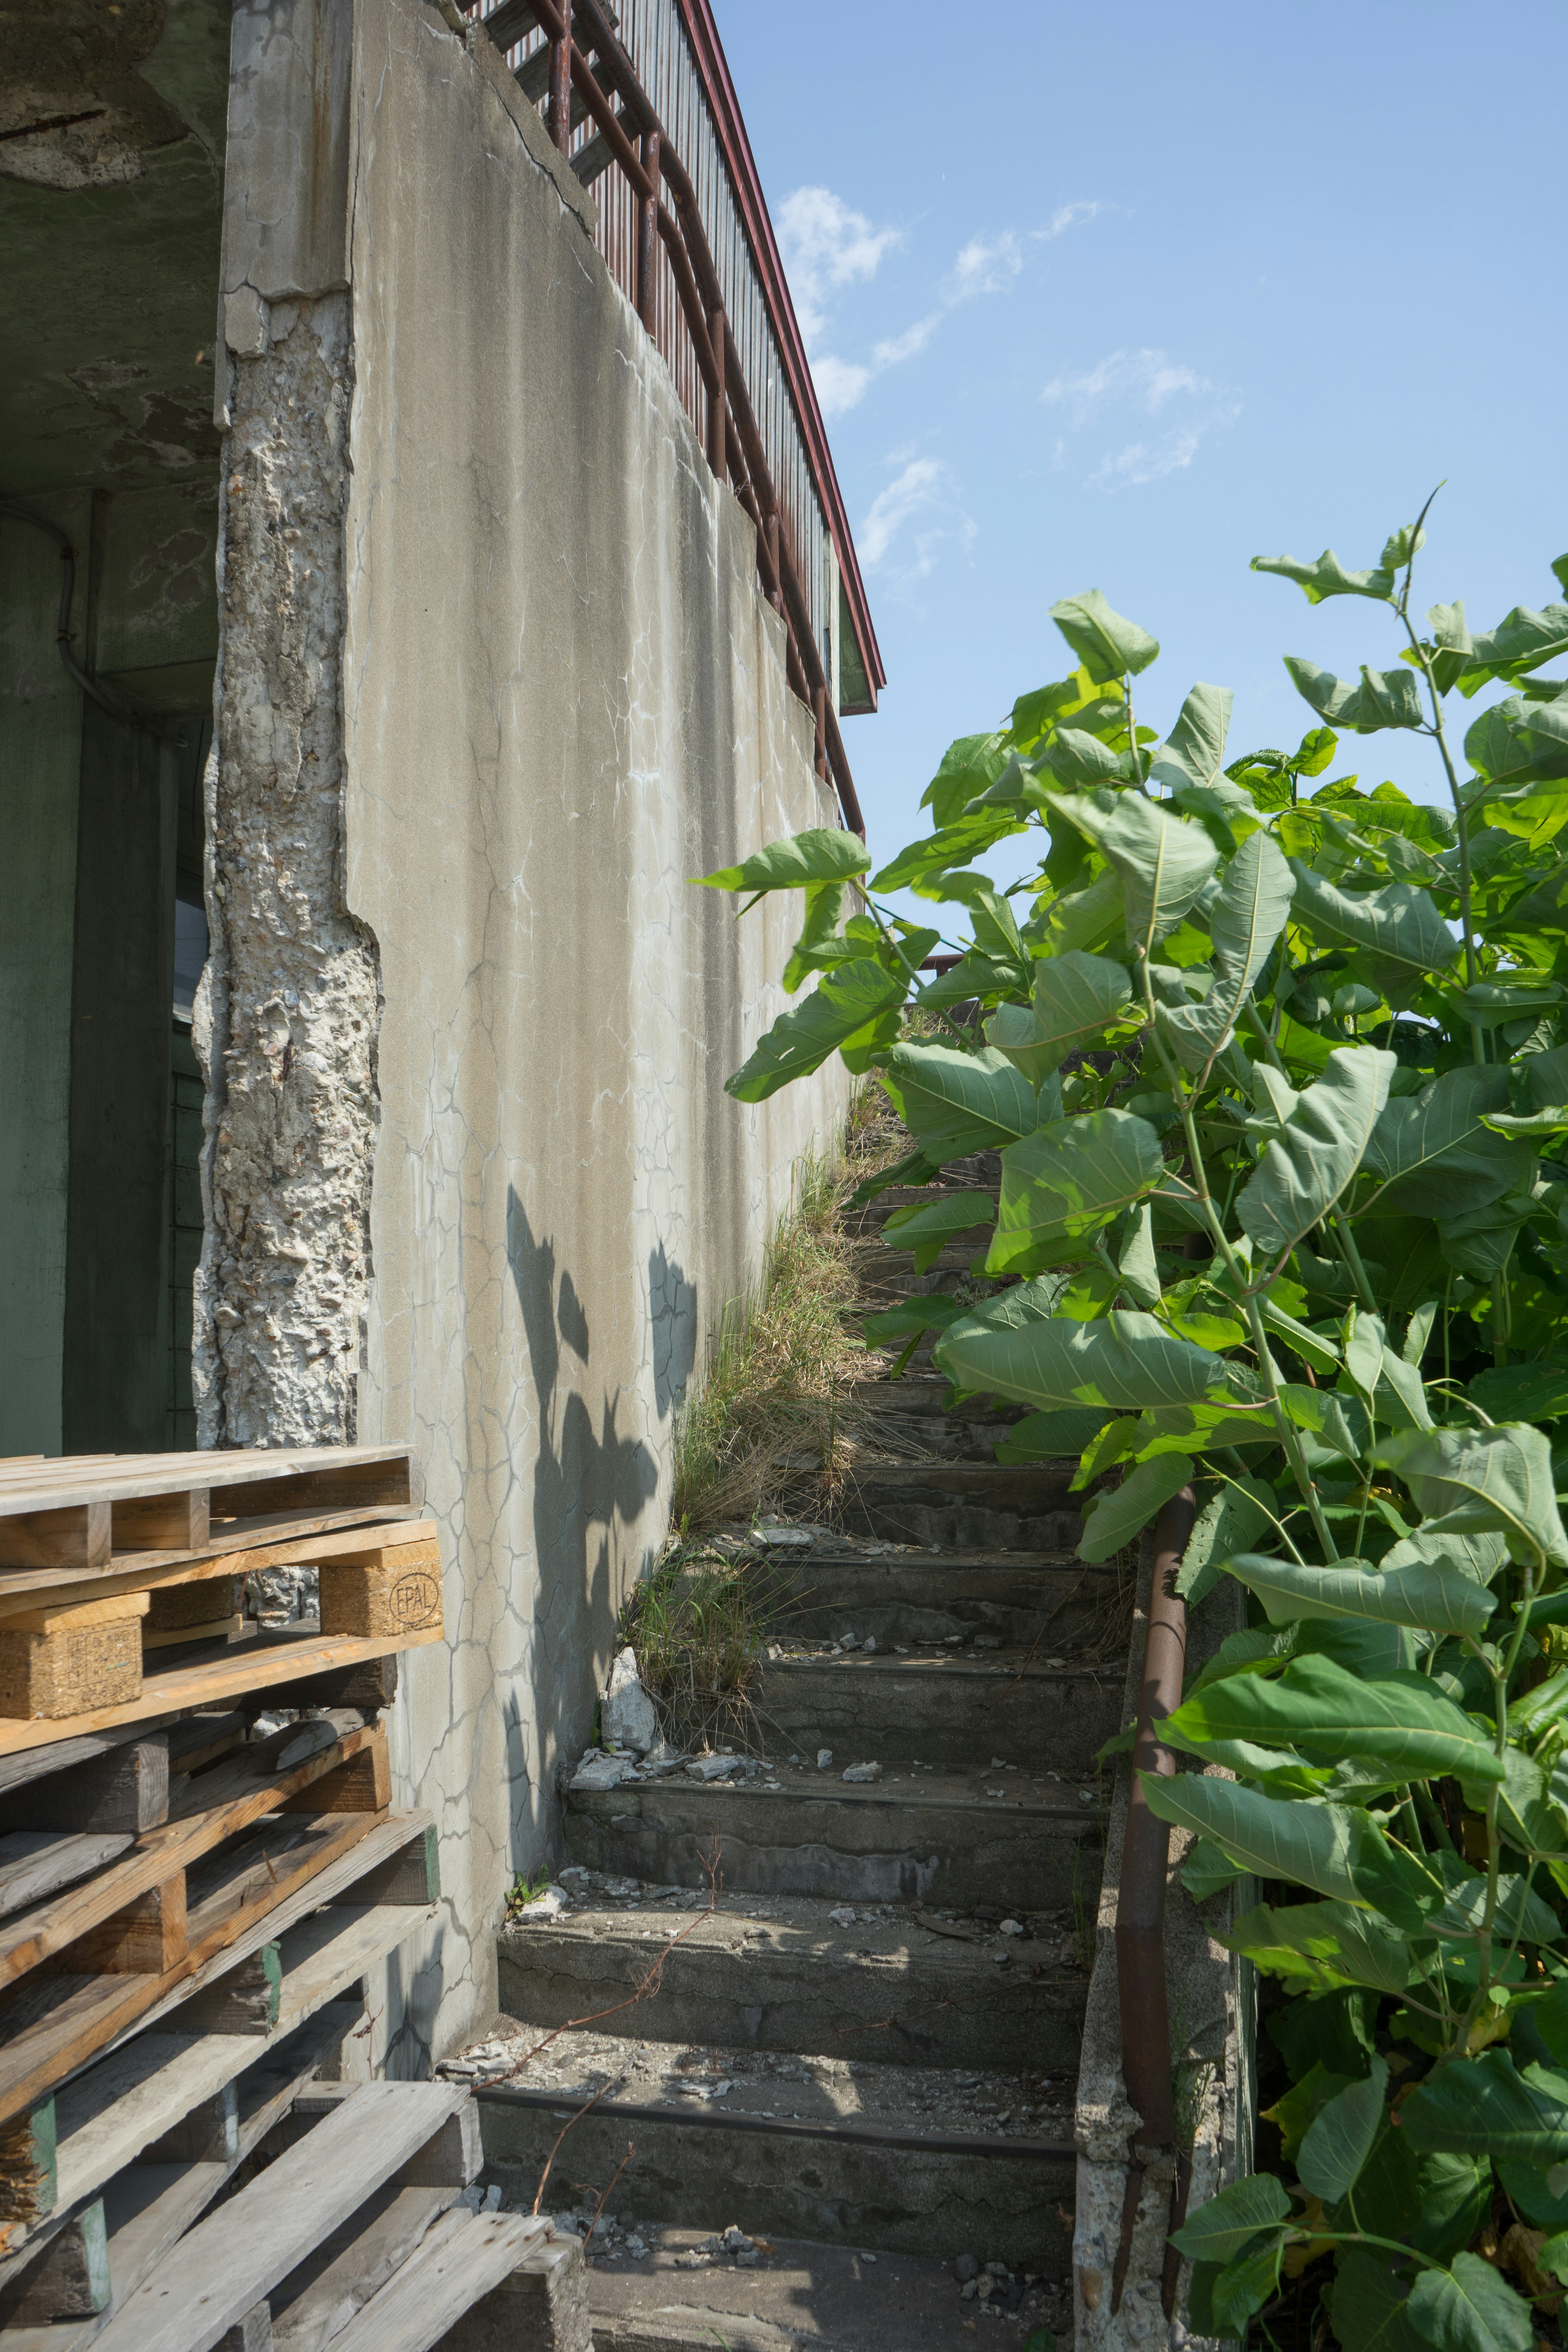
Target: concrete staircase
point(863, 2060)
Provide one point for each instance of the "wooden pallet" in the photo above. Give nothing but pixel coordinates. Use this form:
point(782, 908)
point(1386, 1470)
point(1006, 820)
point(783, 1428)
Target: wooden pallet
point(76, 1513)
point(323, 1937)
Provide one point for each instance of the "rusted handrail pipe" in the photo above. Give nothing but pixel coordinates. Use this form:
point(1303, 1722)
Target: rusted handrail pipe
point(1146, 2066)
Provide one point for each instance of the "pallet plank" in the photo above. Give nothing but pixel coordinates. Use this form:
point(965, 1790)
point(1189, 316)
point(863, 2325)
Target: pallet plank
point(258, 1666)
point(35, 1864)
point(237, 1547)
point(230, 2261)
point(463, 2257)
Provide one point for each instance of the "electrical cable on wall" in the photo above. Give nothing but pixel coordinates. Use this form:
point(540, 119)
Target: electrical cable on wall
point(97, 690)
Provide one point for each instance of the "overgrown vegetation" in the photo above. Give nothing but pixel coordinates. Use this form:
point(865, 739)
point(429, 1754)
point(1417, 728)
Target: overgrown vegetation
point(770, 1431)
point(1330, 1041)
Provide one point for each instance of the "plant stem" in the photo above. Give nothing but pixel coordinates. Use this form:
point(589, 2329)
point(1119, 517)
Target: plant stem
point(967, 1043)
point(1440, 735)
point(1352, 1256)
point(1285, 1428)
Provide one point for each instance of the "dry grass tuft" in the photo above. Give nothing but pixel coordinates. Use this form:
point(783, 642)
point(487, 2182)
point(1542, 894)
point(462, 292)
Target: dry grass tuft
point(698, 1626)
point(770, 1430)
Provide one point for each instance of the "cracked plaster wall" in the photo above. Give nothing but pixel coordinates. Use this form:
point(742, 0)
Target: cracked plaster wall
point(562, 696)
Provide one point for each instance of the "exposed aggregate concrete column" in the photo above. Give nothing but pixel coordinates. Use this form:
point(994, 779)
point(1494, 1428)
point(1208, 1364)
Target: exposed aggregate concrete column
point(287, 1025)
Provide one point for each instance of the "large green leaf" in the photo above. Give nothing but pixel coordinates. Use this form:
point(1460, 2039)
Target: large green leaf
point(1385, 697)
point(1339, 2139)
point(1470, 2308)
point(1068, 1179)
point(1218, 2230)
point(1317, 1947)
point(1076, 998)
point(969, 767)
point(1475, 1480)
point(1083, 918)
point(843, 1003)
point(927, 1228)
point(1010, 1031)
point(1119, 1513)
point(1371, 2307)
point(1244, 2287)
point(1306, 1841)
point(1328, 576)
point(1193, 751)
point(957, 1103)
point(910, 1315)
point(1319, 1150)
point(819, 854)
point(1399, 923)
point(1126, 1361)
point(1052, 1437)
point(1485, 2106)
point(1316, 1706)
point(1107, 647)
point(1520, 641)
point(1163, 861)
point(1230, 1522)
point(1477, 1556)
point(1247, 918)
point(1435, 1157)
point(1443, 1598)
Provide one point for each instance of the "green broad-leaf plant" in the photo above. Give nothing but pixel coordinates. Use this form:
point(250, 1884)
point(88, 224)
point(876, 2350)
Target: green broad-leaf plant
point(1278, 1072)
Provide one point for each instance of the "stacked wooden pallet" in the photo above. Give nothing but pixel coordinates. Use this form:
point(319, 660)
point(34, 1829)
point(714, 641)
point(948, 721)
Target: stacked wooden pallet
point(189, 1897)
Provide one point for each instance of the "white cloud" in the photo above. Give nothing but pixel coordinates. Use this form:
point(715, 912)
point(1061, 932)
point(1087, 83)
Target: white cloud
point(827, 247)
point(1146, 382)
point(911, 520)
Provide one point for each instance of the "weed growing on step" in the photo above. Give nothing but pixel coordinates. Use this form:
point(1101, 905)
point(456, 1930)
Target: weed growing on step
point(525, 1890)
point(767, 1433)
point(698, 1626)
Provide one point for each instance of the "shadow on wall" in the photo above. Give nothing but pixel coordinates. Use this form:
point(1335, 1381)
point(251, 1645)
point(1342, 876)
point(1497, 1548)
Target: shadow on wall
point(672, 1311)
point(584, 1483)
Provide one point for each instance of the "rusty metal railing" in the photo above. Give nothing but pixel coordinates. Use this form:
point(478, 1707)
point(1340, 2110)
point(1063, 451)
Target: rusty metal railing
point(1147, 2071)
point(582, 72)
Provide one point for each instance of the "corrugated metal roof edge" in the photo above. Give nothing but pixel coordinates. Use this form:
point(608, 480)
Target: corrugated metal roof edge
point(711, 64)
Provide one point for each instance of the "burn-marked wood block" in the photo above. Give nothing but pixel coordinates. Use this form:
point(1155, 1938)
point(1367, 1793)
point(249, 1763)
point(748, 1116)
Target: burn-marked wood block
point(362, 1785)
point(383, 1594)
point(146, 1938)
point(71, 1659)
point(28, 2174)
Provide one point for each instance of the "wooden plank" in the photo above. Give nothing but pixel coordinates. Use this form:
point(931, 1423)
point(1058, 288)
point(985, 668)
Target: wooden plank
point(35, 1864)
point(57, 1926)
point(251, 2333)
point(230, 2260)
point(362, 1785)
point(215, 1629)
point(181, 1521)
point(62, 1755)
point(258, 1666)
point(51, 2025)
point(324, 2292)
point(173, 1606)
point(124, 1477)
point(238, 1546)
point(125, 1789)
point(390, 1590)
point(53, 1616)
point(542, 2303)
point(245, 1999)
point(464, 2256)
point(28, 2168)
point(337, 1947)
point(74, 1535)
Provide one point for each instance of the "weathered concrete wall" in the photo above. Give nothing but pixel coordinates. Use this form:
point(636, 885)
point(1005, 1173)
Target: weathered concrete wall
point(562, 696)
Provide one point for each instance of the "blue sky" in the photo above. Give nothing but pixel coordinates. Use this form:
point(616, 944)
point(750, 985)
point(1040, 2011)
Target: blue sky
point(1119, 298)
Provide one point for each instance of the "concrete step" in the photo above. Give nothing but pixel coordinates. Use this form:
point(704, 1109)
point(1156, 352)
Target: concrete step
point(965, 1506)
point(926, 1838)
point(918, 1393)
point(887, 1268)
point(829, 2298)
point(946, 1710)
point(870, 1983)
point(860, 2155)
point(912, 1595)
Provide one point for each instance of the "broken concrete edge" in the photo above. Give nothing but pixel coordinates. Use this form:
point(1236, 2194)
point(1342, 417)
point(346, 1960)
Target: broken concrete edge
point(1210, 1995)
